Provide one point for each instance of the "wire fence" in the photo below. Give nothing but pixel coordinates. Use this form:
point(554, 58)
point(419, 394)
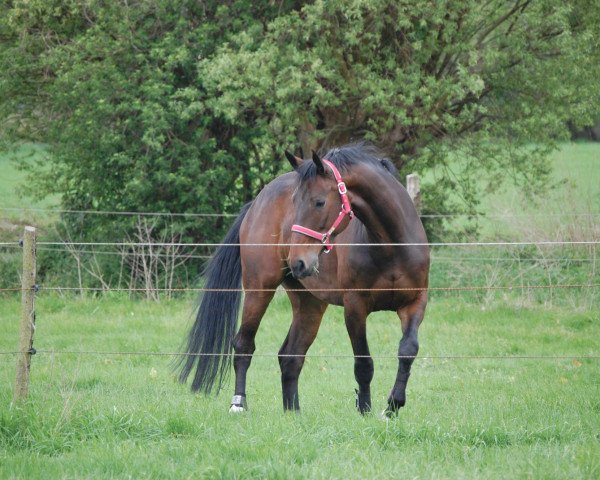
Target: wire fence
point(436, 258)
point(91, 248)
point(466, 288)
point(229, 215)
point(321, 356)
point(337, 244)
point(167, 254)
point(560, 357)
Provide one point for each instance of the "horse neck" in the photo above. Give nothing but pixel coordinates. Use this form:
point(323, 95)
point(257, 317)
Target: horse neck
point(384, 207)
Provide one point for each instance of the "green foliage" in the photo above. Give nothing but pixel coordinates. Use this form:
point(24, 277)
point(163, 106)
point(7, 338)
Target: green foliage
point(187, 106)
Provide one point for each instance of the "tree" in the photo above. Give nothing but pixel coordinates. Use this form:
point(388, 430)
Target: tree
point(493, 83)
point(186, 106)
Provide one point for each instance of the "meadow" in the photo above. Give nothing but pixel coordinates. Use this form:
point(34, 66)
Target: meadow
point(506, 385)
point(125, 416)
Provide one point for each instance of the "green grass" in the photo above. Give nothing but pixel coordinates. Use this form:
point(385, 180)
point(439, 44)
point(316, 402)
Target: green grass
point(122, 416)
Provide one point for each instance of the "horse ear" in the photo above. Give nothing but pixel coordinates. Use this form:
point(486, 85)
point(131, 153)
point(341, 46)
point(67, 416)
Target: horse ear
point(318, 163)
point(295, 162)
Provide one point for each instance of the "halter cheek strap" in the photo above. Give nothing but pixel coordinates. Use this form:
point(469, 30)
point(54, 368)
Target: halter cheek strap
point(325, 238)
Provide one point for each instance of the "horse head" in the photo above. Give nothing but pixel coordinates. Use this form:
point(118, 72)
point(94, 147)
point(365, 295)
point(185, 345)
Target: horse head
point(321, 211)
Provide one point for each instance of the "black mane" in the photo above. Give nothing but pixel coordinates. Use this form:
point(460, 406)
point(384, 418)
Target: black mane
point(347, 155)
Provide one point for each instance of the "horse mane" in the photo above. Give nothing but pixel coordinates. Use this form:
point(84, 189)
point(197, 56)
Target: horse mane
point(347, 155)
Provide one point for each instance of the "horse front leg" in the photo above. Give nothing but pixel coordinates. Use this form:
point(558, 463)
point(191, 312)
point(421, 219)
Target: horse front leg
point(410, 318)
point(255, 305)
point(355, 314)
point(307, 314)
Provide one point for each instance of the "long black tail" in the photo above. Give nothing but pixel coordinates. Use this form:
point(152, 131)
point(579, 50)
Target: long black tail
point(210, 340)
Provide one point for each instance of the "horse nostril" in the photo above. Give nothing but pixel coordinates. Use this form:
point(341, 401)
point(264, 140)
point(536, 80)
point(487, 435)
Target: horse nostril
point(299, 267)
point(302, 269)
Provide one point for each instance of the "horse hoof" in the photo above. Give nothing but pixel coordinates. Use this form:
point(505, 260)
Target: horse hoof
point(238, 404)
point(389, 414)
point(363, 402)
point(384, 416)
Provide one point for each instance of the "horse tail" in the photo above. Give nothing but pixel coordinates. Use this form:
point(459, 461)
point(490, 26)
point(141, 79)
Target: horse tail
point(210, 341)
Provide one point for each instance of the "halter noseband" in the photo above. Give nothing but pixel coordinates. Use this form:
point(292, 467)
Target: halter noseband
point(325, 238)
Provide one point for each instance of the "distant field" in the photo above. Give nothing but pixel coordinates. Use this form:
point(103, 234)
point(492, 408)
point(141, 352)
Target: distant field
point(120, 416)
point(576, 190)
point(16, 208)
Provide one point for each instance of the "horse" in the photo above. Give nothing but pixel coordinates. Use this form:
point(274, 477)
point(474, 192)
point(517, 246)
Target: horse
point(338, 230)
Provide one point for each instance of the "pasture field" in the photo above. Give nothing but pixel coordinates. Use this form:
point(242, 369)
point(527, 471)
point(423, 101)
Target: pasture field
point(125, 416)
point(15, 207)
point(103, 415)
point(575, 189)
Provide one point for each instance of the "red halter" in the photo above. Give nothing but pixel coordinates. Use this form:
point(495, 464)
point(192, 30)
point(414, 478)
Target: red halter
point(325, 238)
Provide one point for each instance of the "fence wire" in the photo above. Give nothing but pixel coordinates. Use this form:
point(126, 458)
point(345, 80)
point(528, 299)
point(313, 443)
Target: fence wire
point(309, 356)
point(219, 215)
point(561, 357)
point(341, 244)
point(330, 290)
point(434, 258)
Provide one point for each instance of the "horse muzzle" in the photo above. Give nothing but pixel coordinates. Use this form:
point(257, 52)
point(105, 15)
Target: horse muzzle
point(301, 269)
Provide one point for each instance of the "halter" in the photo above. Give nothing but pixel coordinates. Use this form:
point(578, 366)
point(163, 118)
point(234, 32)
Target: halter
point(325, 238)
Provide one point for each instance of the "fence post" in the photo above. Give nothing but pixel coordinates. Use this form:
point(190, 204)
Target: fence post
point(27, 316)
point(413, 186)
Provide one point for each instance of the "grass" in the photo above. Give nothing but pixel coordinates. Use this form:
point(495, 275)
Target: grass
point(120, 416)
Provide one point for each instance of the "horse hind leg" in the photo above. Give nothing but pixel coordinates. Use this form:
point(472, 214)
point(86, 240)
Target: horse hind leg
point(255, 305)
point(411, 318)
point(307, 314)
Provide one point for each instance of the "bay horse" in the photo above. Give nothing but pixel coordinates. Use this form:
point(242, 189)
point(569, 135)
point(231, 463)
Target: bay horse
point(287, 236)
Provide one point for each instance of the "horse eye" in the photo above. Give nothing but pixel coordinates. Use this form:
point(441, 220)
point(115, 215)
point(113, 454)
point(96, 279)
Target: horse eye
point(320, 203)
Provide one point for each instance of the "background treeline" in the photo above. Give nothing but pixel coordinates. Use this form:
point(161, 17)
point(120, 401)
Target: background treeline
point(187, 106)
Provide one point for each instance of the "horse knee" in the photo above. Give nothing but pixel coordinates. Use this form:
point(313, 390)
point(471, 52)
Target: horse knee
point(409, 347)
point(290, 368)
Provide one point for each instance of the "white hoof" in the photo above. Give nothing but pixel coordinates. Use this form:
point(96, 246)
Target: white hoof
point(236, 409)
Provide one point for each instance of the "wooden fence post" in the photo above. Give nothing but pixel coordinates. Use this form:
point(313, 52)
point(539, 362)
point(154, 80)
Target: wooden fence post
point(27, 316)
point(413, 186)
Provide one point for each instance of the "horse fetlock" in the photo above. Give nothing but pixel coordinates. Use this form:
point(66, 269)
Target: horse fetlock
point(291, 402)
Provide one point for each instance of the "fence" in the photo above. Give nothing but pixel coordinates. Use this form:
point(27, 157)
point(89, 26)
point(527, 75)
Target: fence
point(29, 288)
